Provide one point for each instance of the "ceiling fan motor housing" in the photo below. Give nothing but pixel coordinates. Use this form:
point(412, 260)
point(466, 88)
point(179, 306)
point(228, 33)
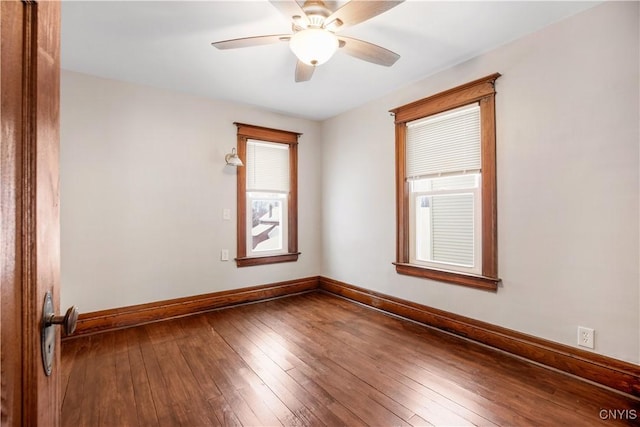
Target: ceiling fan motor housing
point(316, 12)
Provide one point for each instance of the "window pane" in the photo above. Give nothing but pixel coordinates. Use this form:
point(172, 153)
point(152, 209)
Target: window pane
point(445, 229)
point(266, 226)
point(423, 229)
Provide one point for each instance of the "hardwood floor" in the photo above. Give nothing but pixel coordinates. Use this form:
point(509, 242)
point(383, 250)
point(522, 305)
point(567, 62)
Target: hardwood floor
point(315, 359)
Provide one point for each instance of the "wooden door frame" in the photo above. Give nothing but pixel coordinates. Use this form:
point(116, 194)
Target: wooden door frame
point(29, 216)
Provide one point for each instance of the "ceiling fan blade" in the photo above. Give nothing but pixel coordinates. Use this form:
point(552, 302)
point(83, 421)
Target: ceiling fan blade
point(367, 51)
point(357, 11)
point(304, 72)
point(251, 41)
point(291, 10)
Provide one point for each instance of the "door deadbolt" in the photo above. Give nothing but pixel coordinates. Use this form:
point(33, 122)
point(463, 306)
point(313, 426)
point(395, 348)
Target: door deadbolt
point(48, 333)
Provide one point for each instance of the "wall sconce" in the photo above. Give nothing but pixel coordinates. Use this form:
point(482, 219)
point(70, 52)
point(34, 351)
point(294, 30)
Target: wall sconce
point(232, 159)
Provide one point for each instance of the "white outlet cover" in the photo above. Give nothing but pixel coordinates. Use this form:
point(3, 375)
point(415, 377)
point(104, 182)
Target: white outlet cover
point(586, 337)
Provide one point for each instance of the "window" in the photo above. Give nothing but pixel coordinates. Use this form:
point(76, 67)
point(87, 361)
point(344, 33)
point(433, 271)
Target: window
point(267, 196)
point(446, 186)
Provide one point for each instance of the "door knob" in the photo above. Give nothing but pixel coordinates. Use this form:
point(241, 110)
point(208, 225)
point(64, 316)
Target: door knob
point(68, 321)
point(48, 333)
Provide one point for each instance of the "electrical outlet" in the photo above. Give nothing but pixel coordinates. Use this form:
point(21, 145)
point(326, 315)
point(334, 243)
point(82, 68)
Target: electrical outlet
point(586, 337)
point(224, 255)
point(226, 214)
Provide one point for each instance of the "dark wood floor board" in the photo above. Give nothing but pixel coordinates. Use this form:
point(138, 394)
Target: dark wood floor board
point(159, 332)
point(324, 406)
point(396, 376)
point(511, 372)
point(520, 378)
point(108, 402)
point(342, 410)
point(376, 376)
point(223, 412)
point(241, 409)
point(236, 382)
point(295, 341)
point(269, 335)
point(513, 381)
point(315, 397)
point(459, 399)
point(472, 413)
point(212, 380)
point(123, 394)
point(370, 405)
point(312, 385)
point(193, 347)
point(270, 373)
point(515, 376)
point(417, 421)
point(193, 325)
point(230, 328)
point(75, 370)
point(102, 371)
point(193, 413)
point(456, 363)
point(68, 352)
point(423, 400)
point(434, 367)
point(312, 360)
point(257, 362)
point(143, 400)
point(265, 407)
point(274, 350)
point(157, 384)
point(337, 380)
point(182, 386)
point(377, 327)
point(187, 399)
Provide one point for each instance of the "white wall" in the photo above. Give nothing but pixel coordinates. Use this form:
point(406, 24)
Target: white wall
point(568, 192)
point(143, 185)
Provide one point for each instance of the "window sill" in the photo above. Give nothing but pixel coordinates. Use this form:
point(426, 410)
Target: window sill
point(472, 281)
point(270, 259)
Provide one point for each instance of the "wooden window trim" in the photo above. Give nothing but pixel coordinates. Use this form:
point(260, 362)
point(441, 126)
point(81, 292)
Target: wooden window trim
point(482, 91)
point(246, 132)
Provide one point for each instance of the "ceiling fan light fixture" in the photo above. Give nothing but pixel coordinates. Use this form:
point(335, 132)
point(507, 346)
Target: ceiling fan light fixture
point(314, 46)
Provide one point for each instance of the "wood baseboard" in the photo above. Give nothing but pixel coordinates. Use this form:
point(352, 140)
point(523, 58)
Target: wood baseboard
point(613, 373)
point(105, 320)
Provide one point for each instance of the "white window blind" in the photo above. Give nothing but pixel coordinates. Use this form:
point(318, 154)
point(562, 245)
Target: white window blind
point(452, 219)
point(267, 166)
point(444, 143)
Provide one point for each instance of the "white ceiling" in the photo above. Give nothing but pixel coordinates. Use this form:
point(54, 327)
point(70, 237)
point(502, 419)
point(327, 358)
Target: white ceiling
point(167, 44)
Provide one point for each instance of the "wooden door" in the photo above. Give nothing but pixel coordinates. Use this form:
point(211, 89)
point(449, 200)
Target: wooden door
point(29, 213)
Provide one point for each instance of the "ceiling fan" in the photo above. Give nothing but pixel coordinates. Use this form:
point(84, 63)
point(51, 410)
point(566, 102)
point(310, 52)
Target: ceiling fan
point(314, 39)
